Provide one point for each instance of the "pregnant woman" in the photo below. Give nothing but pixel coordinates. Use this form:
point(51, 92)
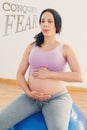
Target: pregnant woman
point(46, 87)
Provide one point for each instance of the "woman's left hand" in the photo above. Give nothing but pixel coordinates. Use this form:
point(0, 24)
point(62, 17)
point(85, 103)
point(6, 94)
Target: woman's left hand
point(41, 73)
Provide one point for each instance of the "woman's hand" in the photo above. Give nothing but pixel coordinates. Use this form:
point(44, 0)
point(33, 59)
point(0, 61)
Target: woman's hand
point(41, 73)
point(39, 96)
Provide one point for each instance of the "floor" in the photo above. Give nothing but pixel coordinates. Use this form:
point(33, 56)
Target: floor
point(8, 92)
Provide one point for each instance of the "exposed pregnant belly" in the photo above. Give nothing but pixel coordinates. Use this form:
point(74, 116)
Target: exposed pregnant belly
point(48, 86)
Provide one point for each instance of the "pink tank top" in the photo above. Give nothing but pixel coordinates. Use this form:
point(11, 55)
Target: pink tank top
point(53, 59)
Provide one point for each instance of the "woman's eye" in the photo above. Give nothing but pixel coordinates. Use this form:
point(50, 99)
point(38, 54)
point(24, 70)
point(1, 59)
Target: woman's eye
point(49, 21)
point(42, 21)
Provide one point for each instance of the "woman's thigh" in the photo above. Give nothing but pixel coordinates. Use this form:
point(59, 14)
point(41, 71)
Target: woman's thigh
point(57, 112)
point(17, 110)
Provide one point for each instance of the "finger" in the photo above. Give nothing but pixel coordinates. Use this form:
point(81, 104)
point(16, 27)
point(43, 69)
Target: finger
point(38, 93)
point(43, 68)
point(43, 97)
point(35, 71)
point(35, 74)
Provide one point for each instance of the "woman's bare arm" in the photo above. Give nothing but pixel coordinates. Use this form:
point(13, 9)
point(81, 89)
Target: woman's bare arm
point(22, 70)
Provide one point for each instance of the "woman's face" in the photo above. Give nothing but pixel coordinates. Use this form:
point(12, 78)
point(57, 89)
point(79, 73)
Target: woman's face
point(48, 24)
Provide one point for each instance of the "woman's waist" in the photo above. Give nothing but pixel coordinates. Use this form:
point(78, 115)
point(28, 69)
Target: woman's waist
point(46, 86)
point(45, 82)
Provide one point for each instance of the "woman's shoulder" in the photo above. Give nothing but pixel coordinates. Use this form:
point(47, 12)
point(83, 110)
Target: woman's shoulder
point(29, 47)
point(67, 46)
point(67, 49)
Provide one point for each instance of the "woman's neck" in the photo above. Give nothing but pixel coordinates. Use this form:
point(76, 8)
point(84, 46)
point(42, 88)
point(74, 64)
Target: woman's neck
point(50, 40)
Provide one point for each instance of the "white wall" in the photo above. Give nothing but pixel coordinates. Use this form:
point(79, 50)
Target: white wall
point(74, 32)
point(13, 40)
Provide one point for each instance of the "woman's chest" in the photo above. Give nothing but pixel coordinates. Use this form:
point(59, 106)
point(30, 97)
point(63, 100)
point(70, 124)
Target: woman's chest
point(53, 60)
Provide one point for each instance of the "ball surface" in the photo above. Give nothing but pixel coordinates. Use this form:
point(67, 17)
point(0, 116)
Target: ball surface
point(36, 121)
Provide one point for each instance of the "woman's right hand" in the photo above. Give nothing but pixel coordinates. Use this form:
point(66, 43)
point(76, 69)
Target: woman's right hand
point(39, 96)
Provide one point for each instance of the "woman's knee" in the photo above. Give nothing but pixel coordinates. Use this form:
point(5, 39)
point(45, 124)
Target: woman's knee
point(58, 126)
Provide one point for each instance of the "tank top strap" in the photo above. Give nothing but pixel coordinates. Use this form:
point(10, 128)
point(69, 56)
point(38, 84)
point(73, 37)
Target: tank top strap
point(61, 46)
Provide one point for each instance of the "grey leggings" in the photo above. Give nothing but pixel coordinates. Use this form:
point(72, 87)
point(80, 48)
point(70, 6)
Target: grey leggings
point(56, 111)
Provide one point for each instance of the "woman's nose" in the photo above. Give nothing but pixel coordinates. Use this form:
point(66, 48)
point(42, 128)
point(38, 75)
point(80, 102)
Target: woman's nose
point(45, 24)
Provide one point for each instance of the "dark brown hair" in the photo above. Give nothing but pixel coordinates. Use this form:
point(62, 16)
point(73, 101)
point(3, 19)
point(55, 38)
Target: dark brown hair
point(58, 24)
